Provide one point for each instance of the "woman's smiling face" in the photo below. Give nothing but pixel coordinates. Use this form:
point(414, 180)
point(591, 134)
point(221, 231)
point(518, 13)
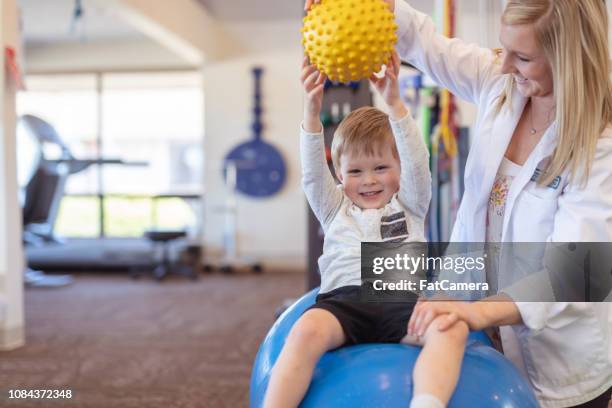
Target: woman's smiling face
point(525, 60)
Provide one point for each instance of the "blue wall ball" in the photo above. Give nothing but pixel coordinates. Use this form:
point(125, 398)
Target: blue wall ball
point(380, 375)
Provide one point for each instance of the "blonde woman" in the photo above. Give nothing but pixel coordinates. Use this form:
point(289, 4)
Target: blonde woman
point(539, 170)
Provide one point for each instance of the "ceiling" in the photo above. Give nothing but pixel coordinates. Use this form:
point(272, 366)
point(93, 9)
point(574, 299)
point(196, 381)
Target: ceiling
point(237, 10)
point(49, 21)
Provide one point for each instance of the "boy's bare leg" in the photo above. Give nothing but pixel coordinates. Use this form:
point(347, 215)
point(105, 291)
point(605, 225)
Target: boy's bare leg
point(316, 332)
point(437, 369)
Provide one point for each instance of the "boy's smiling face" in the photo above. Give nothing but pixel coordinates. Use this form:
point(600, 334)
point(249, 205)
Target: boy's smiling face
point(370, 181)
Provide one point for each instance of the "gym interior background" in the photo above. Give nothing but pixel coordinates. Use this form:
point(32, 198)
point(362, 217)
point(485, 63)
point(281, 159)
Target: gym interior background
point(141, 260)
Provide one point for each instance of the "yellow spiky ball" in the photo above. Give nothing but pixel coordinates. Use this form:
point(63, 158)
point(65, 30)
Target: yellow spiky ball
point(349, 40)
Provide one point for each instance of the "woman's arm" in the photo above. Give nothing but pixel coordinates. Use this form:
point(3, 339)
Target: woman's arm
point(451, 63)
point(584, 214)
point(498, 310)
point(585, 211)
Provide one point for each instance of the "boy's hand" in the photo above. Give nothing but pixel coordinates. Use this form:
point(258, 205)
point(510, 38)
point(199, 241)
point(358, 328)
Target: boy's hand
point(314, 83)
point(388, 88)
point(426, 311)
point(309, 3)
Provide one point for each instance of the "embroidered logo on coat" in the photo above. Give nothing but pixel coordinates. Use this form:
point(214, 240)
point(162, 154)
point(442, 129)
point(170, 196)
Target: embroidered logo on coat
point(554, 184)
point(393, 228)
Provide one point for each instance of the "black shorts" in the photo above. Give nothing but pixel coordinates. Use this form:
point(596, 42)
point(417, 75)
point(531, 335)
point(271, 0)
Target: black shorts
point(603, 401)
point(366, 322)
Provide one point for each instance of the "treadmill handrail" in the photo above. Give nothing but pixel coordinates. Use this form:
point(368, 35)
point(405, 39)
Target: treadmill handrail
point(78, 165)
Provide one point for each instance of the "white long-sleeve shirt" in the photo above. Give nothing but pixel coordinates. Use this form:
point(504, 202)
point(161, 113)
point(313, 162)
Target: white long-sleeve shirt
point(345, 225)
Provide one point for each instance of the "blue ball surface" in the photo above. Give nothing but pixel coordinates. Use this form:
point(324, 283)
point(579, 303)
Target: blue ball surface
point(380, 375)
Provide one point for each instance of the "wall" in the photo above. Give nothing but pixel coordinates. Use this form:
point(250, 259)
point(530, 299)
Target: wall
point(11, 255)
point(274, 229)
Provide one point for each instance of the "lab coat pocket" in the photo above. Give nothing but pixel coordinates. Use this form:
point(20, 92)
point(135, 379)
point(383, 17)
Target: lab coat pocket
point(533, 217)
point(569, 349)
point(549, 192)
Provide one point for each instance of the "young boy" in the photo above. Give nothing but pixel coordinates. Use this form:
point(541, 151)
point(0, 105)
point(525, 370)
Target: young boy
point(382, 164)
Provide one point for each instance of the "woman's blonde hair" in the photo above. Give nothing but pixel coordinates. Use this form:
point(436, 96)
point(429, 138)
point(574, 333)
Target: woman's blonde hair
point(574, 37)
point(364, 131)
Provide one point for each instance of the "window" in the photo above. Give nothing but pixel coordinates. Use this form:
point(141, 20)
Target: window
point(153, 122)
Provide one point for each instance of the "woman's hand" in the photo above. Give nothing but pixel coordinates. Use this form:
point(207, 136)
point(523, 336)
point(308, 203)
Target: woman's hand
point(498, 310)
point(309, 3)
point(313, 82)
point(426, 311)
point(388, 88)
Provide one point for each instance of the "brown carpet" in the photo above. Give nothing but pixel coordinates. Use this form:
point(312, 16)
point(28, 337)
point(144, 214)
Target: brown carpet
point(116, 342)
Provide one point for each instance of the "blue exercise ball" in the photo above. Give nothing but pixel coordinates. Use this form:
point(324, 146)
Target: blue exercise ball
point(380, 375)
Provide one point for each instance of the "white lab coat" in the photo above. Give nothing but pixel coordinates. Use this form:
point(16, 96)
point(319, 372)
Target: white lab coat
point(564, 349)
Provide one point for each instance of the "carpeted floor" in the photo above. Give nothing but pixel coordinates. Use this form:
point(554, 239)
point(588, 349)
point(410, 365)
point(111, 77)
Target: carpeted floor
point(116, 342)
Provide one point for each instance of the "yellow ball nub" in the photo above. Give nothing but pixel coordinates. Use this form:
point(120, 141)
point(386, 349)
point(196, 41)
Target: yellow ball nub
point(349, 40)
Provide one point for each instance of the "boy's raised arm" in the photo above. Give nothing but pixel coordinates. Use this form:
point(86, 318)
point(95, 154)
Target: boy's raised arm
point(319, 186)
point(415, 179)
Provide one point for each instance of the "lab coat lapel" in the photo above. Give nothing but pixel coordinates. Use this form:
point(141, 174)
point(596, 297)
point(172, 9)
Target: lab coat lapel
point(503, 129)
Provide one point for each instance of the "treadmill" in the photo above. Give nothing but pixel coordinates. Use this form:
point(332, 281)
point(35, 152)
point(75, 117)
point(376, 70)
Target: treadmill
point(42, 181)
